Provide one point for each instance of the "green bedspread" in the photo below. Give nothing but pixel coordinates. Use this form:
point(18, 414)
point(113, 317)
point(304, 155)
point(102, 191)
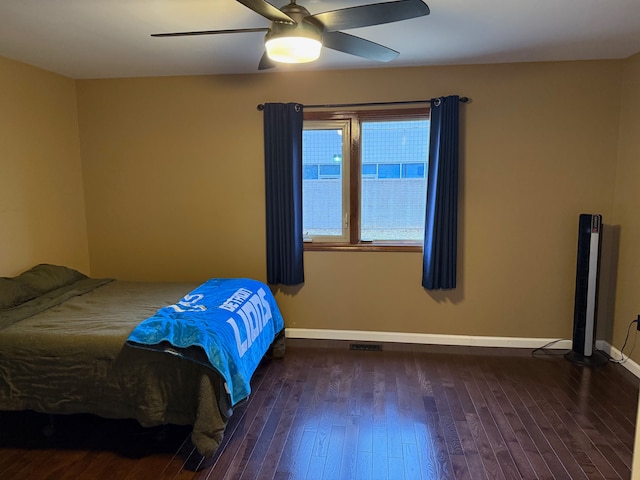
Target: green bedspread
point(70, 357)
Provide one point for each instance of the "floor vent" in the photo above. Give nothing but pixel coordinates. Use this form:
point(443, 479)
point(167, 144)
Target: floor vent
point(367, 347)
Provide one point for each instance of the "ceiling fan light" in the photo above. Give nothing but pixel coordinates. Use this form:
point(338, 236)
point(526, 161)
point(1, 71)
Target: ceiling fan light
point(293, 49)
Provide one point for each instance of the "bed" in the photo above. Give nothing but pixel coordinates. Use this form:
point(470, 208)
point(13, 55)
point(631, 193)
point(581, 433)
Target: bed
point(74, 344)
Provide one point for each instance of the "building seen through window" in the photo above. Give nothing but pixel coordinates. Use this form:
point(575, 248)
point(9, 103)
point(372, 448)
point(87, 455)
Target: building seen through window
point(364, 176)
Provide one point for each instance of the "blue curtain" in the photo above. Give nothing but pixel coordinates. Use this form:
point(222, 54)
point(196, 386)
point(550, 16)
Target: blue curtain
point(283, 182)
point(439, 260)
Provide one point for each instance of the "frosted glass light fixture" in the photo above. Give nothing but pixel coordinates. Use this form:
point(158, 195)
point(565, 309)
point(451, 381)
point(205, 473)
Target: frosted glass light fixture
point(293, 49)
point(300, 43)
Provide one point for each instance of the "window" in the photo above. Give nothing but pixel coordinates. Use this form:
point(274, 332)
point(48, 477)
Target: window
point(329, 171)
point(389, 170)
point(413, 170)
point(364, 180)
point(369, 170)
point(310, 172)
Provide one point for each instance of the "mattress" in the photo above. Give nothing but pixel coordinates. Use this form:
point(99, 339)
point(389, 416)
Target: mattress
point(72, 357)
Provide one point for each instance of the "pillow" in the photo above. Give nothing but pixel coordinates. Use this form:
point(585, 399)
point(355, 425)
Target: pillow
point(14, 293)
point(44, 278)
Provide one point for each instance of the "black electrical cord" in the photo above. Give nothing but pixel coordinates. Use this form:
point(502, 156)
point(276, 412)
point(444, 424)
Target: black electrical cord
point(622, 359)
point(545, 349)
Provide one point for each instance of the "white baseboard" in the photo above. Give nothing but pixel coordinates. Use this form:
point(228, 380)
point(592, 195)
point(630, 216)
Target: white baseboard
point(459, 340)
point(617, 355)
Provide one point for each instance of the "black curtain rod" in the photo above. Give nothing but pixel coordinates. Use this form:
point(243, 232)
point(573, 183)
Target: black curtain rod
point(370, 104)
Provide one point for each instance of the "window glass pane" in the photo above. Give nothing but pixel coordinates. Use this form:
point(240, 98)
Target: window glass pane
point(322, 193)
point(393, 205)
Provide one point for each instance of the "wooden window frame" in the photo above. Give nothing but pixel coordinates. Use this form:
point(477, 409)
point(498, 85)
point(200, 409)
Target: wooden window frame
point(355, 117)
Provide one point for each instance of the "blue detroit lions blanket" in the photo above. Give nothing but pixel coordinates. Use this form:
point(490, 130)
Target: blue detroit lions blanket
point(234, 321)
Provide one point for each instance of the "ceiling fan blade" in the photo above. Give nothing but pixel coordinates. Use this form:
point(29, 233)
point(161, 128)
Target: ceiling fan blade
point(266, 62)
point(372, 14)
point(209, 32)
point(268, 11)
point(343, 42)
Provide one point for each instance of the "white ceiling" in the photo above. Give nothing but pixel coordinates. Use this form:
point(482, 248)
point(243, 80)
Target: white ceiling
point(111, 38)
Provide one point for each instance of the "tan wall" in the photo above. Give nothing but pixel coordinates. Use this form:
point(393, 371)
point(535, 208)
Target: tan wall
point(174, 189)
point(627, 202)
point(42, 215)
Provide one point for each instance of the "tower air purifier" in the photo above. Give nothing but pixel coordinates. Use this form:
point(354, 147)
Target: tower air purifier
point(583, 351)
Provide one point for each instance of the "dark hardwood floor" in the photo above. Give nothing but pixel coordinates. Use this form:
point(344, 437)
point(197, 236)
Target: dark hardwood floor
point(406, 412)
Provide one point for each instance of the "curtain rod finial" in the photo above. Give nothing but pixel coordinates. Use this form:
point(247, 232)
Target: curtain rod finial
point(260, 106)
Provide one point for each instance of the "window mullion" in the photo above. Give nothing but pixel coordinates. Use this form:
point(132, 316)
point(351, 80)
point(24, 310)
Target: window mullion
point(354, 182)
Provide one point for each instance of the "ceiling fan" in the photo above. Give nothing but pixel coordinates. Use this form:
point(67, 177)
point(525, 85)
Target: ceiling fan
point(296, 36)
